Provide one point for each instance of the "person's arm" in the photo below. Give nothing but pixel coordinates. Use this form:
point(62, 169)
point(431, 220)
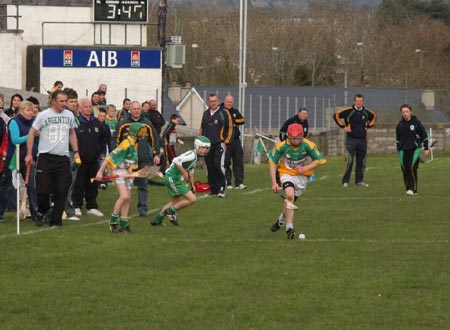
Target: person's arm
point(398, 142)
point(340, 116)
point(227, 128)
point(273, 177)
point(239, 120)
point(14, 133)
point(30, 142)
point(74, 143)
point(372, 118)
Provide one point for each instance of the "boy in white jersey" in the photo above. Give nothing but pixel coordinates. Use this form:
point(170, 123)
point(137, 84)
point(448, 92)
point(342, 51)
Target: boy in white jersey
point(290, 158)
point(56, 129)
point(179, 180)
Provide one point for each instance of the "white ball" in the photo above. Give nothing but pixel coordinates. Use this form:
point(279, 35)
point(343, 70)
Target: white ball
point(301, 236)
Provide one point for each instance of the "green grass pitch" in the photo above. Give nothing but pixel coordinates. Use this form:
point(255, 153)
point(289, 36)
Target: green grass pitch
point(373, 258)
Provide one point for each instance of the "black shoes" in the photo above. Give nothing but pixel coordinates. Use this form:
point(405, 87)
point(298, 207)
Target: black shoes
point(275, 226)
point(114, 228)
point(126, 230)
point(290, 234)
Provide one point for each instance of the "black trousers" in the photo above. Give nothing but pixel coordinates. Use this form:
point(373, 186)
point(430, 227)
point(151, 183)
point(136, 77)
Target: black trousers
point(52, 178)
point(409, 162)
point(216, 172)
point(83, 188)
point(356, 152)
point(234, 154)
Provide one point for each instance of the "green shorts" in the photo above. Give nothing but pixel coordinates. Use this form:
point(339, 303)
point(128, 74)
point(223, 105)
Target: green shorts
point(176, 187)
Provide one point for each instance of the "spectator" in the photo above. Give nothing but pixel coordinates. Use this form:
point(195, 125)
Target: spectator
point(56, 128)
point(57, 86)
point(19, 127)
point(411, 135)
point(234, 152)
point(170, 139)
point(148, 150)
point(36, 107)
point(125, 111)
point(111, 119)
point(145, 109)
point(72, 105)
point(14, 105)
point(102, 118)
point(300, 118)
point(101, 99)
point(3, 154)
point(92, 142)
point(155, 116)
point(95, 101)
point(217, 126)
point(355, 121)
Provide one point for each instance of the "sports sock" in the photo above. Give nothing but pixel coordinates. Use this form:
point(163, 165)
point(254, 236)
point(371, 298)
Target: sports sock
point(171, 210)
point(289, 226)
point(123, 222)
point(281, 219)
point(114, 218)
point(159, 217)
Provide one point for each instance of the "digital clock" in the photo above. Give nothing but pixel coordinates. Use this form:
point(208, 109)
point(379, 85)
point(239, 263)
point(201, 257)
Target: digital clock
point(120, 11)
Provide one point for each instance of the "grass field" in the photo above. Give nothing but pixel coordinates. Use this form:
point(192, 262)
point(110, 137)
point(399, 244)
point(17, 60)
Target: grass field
point(373, 258)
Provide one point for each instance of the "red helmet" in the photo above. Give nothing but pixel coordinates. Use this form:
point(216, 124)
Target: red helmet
point(295, 130)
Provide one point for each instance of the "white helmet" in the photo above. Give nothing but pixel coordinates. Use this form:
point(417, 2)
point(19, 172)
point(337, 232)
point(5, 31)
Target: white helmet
point(202, 141)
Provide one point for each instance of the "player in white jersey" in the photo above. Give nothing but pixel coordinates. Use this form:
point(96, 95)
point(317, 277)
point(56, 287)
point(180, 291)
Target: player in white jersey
point(179, 180)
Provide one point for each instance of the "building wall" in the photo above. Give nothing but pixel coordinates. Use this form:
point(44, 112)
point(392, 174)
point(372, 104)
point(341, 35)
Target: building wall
point(70, 24)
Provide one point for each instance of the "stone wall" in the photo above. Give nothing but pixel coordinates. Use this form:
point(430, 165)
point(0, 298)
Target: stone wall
point(381, 140)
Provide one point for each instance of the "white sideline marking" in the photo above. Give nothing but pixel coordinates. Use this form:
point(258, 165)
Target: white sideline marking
point(318, 240)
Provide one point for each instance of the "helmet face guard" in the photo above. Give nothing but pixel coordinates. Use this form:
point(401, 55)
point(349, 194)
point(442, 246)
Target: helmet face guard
point(295, 133)
point(201, 141)
point(295, 130)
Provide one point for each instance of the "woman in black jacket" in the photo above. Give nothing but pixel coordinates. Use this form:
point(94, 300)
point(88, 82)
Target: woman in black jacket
point(411, 136)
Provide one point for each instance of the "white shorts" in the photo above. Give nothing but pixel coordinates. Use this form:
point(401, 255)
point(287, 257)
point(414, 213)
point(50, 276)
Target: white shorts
point(122, 180)
point(299, 181)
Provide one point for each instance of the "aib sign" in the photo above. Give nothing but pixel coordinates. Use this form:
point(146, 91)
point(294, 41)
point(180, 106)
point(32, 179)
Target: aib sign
point(88, 58)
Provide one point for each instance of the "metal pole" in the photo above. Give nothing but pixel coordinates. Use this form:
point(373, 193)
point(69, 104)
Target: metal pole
point(242, 59)
point(162, 15)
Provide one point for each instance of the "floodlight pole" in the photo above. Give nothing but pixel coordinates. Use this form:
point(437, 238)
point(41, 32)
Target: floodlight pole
point(242, 59)
point(162, 19)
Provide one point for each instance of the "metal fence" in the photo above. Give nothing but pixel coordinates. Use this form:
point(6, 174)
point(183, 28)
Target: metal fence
point(265, 112)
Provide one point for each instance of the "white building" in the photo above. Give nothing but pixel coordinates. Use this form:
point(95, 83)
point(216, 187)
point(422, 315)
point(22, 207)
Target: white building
point(44, 41)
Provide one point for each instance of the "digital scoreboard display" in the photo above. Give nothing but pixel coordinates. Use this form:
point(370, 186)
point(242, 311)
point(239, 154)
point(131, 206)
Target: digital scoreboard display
point(120, 11)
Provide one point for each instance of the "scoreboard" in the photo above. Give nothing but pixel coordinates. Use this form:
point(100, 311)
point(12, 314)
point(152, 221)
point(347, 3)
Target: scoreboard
point(121, 11)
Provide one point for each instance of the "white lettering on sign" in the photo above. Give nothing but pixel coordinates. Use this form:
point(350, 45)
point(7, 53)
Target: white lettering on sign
point(108, 59)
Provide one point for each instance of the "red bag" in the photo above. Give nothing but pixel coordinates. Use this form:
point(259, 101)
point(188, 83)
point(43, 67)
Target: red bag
point(202, 187)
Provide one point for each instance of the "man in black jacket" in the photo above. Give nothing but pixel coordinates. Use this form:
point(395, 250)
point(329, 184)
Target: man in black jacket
point(234, 152)
point(355, 121)
point(300, 118)
point(92, 139)
point(217, 126)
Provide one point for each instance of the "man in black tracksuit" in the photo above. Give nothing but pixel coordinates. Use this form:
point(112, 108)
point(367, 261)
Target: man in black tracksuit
point(410, 136)
point(217, 126)
point(234, 151)
point(355, 121)
point(92, 140)
point(300, 118)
